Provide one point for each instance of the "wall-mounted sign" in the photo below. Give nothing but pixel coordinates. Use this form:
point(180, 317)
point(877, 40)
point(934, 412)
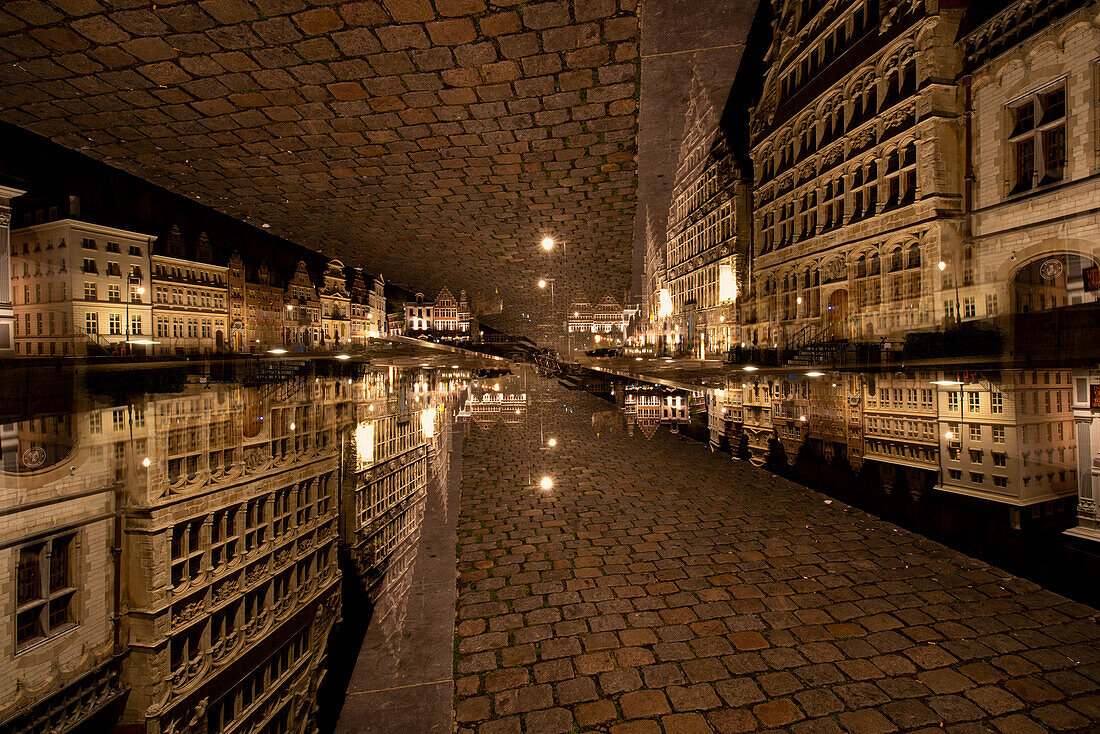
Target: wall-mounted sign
point(1051, 269)
point(1094, 397)
point(34, 457)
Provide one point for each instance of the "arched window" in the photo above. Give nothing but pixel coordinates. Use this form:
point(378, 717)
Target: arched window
point(876, 264)
point(895, 259)
point(913, 259)
point(861, 266)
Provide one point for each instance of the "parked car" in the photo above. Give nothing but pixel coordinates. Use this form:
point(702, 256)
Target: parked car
point(604, 352)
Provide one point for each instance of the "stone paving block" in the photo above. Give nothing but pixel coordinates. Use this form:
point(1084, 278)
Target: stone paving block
point(938, 646)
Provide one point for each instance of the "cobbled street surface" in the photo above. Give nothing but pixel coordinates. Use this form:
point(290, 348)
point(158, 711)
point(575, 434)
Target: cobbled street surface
point(661, 588)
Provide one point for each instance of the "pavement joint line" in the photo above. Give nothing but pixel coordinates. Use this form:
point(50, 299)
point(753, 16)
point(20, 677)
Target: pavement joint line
point(398, 688)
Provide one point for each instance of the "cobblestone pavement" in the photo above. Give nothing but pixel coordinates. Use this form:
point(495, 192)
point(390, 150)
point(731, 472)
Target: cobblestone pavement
point(660, 588)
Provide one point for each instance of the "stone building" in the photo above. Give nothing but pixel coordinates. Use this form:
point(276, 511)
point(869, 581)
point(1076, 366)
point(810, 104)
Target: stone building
point(190, 298)
point(1086, 418)
point(1031, 82)
point(60, 639)
point(445, 314)
point(335, 306)
point(256, 307)
point(1008, 438)
point(79, 288)
point(709, 231)
point(303, 309)
point(858, 171)
point(7, 313)
point(656, 304)
point(368, 307)
point(230, 556)
point(901, 429)
point(388, 462)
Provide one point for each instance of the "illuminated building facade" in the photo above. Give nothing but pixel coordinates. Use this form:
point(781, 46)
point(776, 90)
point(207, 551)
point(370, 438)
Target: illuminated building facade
point(335, 306)
point(75, 288)
point(230, 551)
point(707, 240)
point(190, 299)
point(858, 172)
point(302, 305)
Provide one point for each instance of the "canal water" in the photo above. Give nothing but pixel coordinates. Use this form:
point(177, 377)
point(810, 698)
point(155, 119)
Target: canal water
point(267, 545)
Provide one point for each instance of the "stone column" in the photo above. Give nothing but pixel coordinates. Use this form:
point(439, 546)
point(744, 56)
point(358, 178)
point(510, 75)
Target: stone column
point(7, 313)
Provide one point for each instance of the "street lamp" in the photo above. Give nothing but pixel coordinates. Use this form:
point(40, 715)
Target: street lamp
point(542, 284)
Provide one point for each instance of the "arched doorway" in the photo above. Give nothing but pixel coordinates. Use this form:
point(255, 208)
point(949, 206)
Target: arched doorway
point(837, 313)
point(1055, 281)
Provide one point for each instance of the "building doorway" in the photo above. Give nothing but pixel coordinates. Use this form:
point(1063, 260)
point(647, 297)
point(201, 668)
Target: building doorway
point(837, 312)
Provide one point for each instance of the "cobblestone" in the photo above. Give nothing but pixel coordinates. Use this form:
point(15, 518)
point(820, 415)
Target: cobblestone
point(664, 588)
point(411, 122)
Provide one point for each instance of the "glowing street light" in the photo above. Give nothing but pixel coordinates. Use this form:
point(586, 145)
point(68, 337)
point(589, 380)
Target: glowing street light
point(547, 483)
point(815, 374)
point(548, 243)
point(276, 351)
point(941, 265)
point(343, 356)
point(750, 368)
point(542, 284)
point(552, 442)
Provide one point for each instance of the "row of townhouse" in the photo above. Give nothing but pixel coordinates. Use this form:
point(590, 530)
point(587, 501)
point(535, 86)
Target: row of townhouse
point(75, 287)
point(446, 314)
point(1004, 436)
point(172, 558)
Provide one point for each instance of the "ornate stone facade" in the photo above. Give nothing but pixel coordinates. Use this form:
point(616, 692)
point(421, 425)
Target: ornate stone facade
point(708, 235)
point(858, 170)
point(62, 470)
point(230, 539)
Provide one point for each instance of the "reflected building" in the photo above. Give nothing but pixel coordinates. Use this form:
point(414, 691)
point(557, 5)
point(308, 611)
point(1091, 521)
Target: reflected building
point(173, 557)
point(230, 554)
point(400, 440)
point(648, 407)
point(62, 472)
point(709, 229)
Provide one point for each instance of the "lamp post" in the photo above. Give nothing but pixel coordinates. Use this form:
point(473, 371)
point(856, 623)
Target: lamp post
point(548, 245)
point(542, 284)
point(286, 331)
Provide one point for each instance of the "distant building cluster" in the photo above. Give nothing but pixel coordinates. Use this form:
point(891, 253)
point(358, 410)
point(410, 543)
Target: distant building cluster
point(77, 288)
point(444, 315)
point(607, 320)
